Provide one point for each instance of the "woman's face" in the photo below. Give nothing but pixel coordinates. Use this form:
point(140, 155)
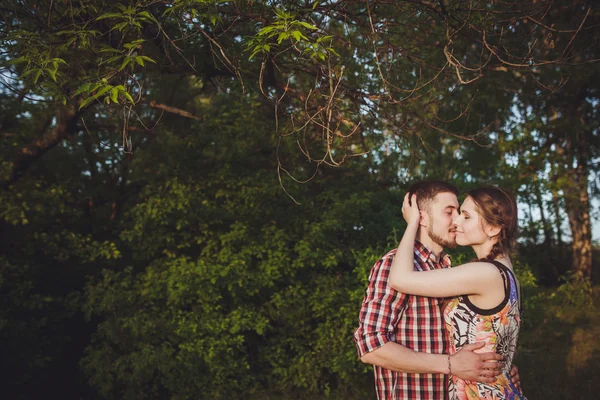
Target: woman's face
point(469, 225)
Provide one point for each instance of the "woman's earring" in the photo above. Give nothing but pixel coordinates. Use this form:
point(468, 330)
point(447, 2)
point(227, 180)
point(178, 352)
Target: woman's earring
point(490, 238)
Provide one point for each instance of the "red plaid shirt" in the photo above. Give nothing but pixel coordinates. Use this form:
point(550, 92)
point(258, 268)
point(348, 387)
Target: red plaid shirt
point(412, 321)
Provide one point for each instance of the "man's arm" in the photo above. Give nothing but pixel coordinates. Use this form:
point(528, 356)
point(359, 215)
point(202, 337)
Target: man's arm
point(481, 367)
point(377, 319)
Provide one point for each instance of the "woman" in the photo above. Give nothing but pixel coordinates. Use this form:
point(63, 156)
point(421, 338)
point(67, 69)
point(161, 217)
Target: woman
point(487, 306)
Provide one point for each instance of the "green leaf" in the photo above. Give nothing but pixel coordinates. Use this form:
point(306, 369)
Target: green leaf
point(114, 95)
point(297, 35)
point(96, 86)
point(147, 59)
point(126, 61)
point(103, 90)
point(331, 50)
point(71, 41)
point(82, 88)
point(97, 95)
point(86, 102)
point(37, 75)
point(146, 14)
point(52, 73)
point(254, 52)
point(129, 11)
point(265, 30)
point(323, 38)
point(59, 61)
point(307, 25)
point(120, 26)
point(28, 72)
point(282, 37)
point(139, 60)
point(128, 96)
point(109, 50)
point(133, 44)
point(17, 60)
point(109, 15)
point(111, 59)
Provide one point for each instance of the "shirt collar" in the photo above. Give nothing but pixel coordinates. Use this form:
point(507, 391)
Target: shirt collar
point(425, 254)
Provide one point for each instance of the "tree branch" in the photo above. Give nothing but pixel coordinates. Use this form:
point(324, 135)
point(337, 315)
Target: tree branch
point(65, 125)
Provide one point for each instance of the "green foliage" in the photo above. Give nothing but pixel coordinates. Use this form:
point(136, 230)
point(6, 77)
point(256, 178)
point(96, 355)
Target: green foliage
point(286, 28)
point(29, 321)
point(567, 340)
point(40, 55)
point(574, 293)
point(199, 277)
point(235, 288)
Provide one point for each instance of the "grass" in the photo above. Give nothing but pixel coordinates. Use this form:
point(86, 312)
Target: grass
point(559, 351)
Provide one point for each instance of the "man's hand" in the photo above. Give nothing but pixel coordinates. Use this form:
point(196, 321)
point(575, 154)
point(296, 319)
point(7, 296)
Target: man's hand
point(514, 377)
point(480, 367)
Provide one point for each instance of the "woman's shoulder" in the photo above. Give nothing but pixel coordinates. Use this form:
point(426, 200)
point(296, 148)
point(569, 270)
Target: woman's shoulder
point(480, 266)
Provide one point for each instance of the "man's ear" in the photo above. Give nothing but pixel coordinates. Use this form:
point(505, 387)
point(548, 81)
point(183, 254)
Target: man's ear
point(425, 219)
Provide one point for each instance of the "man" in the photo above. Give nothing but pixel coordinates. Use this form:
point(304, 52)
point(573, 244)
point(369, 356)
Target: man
point(404, 336)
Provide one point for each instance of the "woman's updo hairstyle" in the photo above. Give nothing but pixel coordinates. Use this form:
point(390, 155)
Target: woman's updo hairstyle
point(498, 208)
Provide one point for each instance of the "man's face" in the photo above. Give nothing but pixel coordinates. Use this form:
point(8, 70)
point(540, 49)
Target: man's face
point(443, 209)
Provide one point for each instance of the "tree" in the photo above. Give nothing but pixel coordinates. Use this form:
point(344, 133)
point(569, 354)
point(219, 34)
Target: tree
point(336, 72)
point(233, 288)
point(559, 117)
point(147, 145)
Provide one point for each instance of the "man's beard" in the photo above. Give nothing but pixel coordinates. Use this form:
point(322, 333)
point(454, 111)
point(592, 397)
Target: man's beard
point(450, 244)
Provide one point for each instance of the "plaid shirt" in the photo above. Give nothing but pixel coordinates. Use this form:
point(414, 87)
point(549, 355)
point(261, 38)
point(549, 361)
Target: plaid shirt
point(415, 322)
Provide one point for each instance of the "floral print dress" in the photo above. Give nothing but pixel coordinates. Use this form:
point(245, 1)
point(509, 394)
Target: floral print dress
point(497, 327)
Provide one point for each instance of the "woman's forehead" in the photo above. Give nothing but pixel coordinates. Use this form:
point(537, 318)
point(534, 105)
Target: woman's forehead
point(468, 204)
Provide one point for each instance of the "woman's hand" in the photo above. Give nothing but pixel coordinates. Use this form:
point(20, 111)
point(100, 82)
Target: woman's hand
point(410, 210)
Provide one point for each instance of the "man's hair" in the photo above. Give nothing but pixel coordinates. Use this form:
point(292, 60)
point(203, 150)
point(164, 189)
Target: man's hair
point(427, 190)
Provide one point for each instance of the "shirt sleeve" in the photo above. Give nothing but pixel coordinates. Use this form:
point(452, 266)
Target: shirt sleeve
point(380, 310)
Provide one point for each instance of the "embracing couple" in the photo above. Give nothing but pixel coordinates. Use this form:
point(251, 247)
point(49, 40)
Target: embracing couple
point(435, 332)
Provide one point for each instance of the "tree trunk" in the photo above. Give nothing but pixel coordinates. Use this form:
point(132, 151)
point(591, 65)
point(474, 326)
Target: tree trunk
point(540, 203)
point(534, 232)
point(577, 199)
point(556, 206)
point(65, 124)
point(577, 204)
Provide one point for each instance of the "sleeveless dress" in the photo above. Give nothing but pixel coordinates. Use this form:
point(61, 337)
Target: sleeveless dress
point(497, 327)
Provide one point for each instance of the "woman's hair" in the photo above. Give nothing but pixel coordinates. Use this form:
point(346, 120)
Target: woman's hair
point(497, 208)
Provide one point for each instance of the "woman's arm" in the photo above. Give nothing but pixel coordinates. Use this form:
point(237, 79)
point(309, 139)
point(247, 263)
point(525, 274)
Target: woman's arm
point(472, 278)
